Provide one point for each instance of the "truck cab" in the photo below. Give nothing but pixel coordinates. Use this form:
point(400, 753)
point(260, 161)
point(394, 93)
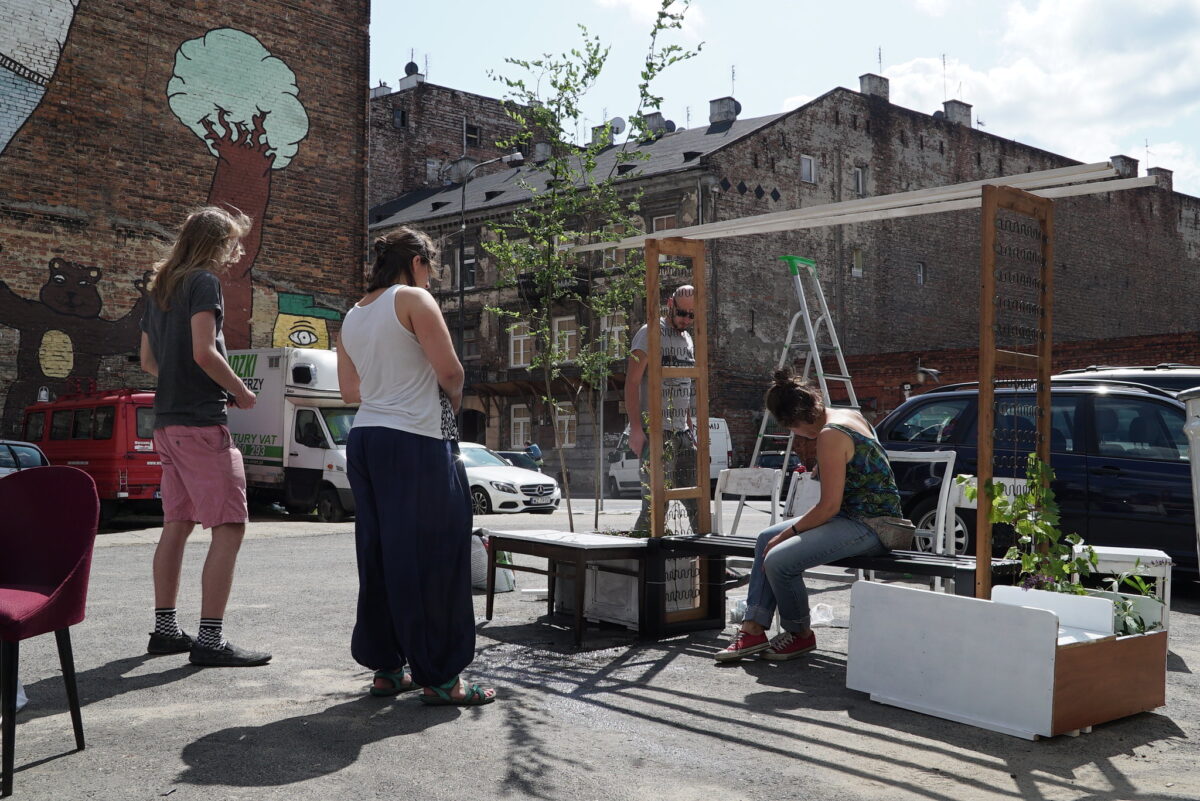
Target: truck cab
point(623, 474)
point(109, 434)
point(293, 441)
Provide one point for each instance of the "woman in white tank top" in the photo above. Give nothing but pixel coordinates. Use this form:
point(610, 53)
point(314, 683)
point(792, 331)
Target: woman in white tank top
point(416, 618)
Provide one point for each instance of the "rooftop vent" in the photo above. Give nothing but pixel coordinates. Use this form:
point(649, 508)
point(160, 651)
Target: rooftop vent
point(688, 155)
point(437, 204)
point(873, 85)
point(381, 90)
point(657, 124)
point(958, 112)
point(723, 109)
point(492, 194)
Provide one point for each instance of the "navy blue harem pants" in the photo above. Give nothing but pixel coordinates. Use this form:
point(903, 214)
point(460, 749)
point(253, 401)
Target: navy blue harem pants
point(413, 536)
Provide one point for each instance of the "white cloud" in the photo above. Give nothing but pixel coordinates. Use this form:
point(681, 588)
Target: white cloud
point(932, 8)
point(644, 12)
point(1088, 80)
point(794, 102)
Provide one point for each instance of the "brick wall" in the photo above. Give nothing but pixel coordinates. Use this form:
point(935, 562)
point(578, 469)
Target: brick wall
point(100, 173)
point(414, 132)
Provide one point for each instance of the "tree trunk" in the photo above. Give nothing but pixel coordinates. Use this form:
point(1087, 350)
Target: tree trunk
point(562, 459)
point(241, 182)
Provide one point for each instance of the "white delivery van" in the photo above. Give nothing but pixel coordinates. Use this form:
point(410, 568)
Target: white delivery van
point(293, 441)
point(623, 477)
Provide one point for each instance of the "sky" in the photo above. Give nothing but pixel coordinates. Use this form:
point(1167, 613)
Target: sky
point(1087, 79)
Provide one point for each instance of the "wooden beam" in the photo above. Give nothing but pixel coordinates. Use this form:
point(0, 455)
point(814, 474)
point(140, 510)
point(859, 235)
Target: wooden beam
point(916, 198)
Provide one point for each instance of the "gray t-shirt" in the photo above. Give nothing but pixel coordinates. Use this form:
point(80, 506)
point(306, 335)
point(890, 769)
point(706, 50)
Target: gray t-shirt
point(186, 396)
point(678, 394)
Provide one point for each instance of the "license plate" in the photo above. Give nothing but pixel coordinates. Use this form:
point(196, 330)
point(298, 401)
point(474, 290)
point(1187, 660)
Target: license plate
point(158, 494)
point(541, 501)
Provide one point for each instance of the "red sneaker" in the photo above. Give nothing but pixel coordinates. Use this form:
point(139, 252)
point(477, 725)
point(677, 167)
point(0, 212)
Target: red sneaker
point(744, 644)
point(786, 645)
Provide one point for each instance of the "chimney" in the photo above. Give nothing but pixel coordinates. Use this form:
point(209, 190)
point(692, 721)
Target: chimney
point(381, 90)
point(603, 135)
point(1125, 166)
point(723, 109)
point(411, 78)
point(873, 85)
point(958, 112)
point(541, 152)
point(656, 123)
point(1162, 178)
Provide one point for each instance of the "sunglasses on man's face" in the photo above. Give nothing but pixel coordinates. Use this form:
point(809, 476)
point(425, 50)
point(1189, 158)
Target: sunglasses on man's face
point(687, 314)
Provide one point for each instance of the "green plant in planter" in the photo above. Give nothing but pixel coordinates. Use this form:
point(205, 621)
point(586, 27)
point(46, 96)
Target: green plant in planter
point(1048, 559)
point(1128, 621)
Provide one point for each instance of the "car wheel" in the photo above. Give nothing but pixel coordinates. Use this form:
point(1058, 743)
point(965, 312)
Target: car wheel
point(329, 506)
point(108, 510)
point(924, 516)
point(481, 503)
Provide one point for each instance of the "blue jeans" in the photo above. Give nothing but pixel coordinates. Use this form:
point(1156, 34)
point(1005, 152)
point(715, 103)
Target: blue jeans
point(778, 578)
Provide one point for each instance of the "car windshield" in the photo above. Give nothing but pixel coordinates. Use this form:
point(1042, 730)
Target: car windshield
point(482, 457)
point(520, 459)
point(774, 461)
point(338, 421)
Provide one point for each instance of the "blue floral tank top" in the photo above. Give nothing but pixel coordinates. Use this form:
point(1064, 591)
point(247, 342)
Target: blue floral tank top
point(870, 484)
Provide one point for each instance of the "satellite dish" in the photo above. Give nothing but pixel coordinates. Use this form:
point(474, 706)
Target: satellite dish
point(411, 68)
point(618, 126)
point(737, 107)
point(670, 126)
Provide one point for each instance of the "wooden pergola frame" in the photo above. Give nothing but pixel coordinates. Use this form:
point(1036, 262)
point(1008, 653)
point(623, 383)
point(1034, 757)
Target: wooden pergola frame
point(1074, 181)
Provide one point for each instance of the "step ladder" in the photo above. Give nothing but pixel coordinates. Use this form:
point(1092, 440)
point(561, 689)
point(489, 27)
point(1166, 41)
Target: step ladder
point(818, 340)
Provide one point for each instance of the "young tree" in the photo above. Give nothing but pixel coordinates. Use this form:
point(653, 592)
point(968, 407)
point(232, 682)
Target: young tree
point(575, 198)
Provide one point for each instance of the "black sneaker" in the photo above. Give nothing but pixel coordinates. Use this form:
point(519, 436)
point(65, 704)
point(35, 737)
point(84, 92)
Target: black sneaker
point(163, 644)
point(228, 655)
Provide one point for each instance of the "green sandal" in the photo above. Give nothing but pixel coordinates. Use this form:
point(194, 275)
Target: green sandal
point(397, 680)
point(473, 697)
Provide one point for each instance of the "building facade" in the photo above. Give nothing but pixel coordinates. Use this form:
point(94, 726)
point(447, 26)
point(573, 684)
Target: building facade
point(116, 119)
point(1127, 263)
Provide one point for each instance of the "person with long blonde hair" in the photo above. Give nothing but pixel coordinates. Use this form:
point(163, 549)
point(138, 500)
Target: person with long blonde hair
point(203, 479)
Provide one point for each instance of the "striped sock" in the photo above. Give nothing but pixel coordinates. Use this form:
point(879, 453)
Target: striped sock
point(210, 633)
point(165, 622)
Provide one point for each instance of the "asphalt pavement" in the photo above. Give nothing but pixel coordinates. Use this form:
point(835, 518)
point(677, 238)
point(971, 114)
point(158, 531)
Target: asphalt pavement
point(620, 718)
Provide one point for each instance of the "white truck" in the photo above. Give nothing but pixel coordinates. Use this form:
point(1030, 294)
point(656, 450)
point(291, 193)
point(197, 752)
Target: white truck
point(293, 441)
point(623, 476)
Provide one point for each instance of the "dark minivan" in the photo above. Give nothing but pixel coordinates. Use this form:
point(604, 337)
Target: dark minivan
point(1119, 453)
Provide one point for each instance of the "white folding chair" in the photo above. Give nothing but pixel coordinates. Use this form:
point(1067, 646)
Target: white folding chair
point(743, 481)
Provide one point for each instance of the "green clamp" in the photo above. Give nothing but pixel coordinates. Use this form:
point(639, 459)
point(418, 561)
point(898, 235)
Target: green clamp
point(794, 262)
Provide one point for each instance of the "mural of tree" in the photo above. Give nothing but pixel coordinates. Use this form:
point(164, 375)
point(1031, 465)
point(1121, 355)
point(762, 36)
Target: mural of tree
point(32, 35)
point(243, 103)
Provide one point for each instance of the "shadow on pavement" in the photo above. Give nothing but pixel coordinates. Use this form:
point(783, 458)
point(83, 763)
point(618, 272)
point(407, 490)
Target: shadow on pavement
point(102, 683)
point(304, 747)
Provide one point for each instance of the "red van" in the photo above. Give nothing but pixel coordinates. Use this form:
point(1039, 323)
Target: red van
point(109, 435)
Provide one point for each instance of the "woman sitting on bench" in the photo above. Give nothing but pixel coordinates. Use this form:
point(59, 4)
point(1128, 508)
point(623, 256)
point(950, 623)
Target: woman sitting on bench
point(856, 484)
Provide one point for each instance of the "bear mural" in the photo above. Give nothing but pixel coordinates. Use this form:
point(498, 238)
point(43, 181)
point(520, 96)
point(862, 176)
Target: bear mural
point(62, 335)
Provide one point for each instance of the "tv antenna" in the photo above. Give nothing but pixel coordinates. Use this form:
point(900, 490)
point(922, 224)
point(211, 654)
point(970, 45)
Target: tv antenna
point(732, 79)
point(945, 96)
point(879, 58)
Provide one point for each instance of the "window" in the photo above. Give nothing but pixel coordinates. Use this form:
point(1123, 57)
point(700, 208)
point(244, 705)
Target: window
point(145, 422)
point(35, 426)
point(28, 457)
point(467, 267)
point(399, 118)
point(920, 273)
point(1139, 429)
point(663, 223)
point(566, 338)
point(60, 424)
point(808, 169)
point(930, 422)
point(433, 170)
point(470, 343)
point(81, 427)
point(472, 135)
point(102, 422)
point(7, 460)
point(856, 265)
point(520, 346)
point(860, 181)
point(566, 421)
point(614, 329)
point(520, 433)
point(308, 430)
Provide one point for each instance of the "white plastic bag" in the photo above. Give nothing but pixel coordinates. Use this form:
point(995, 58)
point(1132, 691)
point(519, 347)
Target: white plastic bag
point(506, 580)
point(820, 615)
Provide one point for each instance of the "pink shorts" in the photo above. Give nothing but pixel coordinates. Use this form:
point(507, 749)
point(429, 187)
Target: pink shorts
point(203, 480)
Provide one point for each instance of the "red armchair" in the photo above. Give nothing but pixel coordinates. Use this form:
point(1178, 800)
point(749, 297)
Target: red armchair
point(47, 530)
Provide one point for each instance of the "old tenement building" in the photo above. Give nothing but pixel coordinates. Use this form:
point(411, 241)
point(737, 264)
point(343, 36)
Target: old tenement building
point(1127, 263)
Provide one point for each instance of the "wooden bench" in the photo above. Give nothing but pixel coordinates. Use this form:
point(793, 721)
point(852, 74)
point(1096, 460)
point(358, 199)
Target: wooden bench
point(958, 569)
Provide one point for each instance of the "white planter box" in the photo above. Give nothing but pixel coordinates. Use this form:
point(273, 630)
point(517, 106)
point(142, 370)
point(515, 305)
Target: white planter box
point(1005, 666)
